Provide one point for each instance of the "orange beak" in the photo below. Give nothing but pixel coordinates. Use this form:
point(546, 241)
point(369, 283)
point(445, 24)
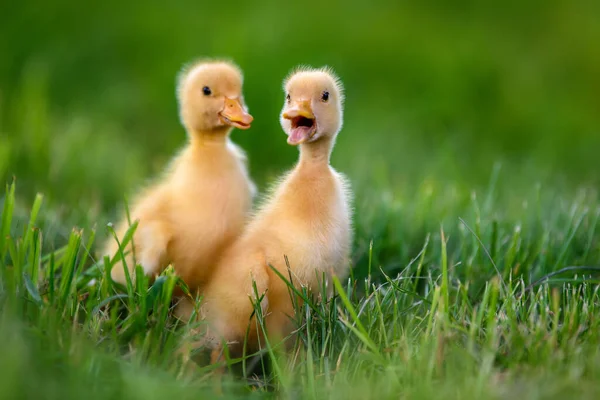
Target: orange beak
point(303, 122)
point(300, 109)
point(234, 114)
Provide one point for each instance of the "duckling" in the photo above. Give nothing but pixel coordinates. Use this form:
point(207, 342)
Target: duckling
point(306, 220)
point(202, 202)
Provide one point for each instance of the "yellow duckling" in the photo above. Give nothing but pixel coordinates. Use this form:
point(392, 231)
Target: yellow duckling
point(307, 219)
point(201, 204)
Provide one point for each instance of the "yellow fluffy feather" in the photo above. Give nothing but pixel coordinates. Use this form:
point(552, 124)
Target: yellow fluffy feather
point(202, 202)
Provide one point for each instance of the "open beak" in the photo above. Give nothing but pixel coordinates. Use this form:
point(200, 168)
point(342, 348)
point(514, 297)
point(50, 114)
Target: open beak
point(304, 123)
point(234, 114)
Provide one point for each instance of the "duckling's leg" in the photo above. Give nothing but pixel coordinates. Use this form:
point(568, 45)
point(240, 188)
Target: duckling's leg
point(217, 356)
point(281, 330)
point(184, 309)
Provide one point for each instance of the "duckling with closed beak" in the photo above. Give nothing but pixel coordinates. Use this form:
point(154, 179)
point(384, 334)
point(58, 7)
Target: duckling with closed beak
point(201, 204)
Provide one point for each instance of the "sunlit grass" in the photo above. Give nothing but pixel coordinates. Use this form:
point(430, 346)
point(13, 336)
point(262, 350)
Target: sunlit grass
point(471, 309)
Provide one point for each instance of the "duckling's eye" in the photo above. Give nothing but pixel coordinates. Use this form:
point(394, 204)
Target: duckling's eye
point(288, 98)
point(206, 90)
point(325, 96)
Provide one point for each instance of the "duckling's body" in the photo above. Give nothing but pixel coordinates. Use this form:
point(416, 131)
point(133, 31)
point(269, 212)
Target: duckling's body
point(307, 220)
point(315, 238)
point(201, 204)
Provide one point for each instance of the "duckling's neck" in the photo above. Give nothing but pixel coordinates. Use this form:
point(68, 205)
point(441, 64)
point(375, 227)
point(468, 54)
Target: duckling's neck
point(213, 137)
point(316, 153)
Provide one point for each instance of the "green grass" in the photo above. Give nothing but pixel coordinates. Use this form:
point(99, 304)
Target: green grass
point(465, 311)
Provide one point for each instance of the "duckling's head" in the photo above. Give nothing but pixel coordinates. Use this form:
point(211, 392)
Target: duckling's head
point(313, 105)
point(210, 97)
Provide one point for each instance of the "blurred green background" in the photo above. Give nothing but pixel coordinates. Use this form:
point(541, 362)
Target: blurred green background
point(436, 90)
